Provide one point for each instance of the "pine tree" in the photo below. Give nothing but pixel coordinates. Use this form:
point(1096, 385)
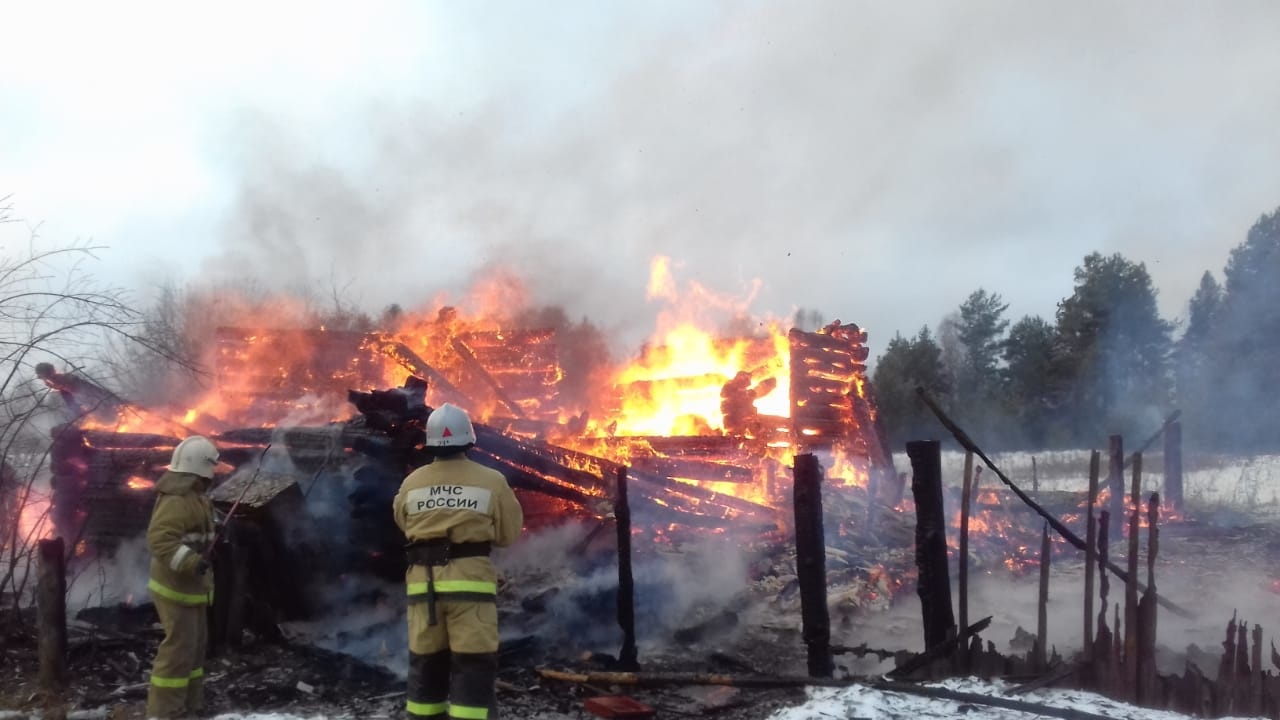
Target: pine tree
point(905, 365)
point(1028, 397)
point(1244, 342)
point(1112, 357)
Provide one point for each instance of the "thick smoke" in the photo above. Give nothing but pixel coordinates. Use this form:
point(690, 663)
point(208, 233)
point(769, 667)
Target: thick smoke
point(575, 592)
point(559, 589)
point(839, 151)
point(106, 581)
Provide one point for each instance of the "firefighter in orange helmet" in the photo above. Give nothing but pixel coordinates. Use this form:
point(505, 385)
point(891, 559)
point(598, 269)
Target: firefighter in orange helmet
point(453, 511)
point(181, 582)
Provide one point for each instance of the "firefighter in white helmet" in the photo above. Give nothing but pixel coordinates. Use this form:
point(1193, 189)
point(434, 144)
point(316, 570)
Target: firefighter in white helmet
point(181, 582)
point(452, 512)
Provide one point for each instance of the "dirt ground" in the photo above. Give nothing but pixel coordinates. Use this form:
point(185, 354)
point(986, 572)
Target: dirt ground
point(111, 649)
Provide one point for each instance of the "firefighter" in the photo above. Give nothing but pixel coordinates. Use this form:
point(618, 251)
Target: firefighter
point(453, 511)
point(181, 582)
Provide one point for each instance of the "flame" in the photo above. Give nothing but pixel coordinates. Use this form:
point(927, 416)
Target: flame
point(710, 369)
point(34, 522)
point(675, 388)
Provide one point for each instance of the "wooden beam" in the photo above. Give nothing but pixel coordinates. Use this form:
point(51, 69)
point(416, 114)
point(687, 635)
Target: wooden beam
point(478, 368)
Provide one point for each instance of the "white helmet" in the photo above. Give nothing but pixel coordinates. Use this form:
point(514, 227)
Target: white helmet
point(195, 455)
point(449, 426)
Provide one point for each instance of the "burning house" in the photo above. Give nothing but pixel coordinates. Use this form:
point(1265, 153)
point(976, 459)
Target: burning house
point(317, 427)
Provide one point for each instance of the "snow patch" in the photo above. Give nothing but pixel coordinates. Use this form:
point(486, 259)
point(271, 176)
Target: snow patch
point(872, 704)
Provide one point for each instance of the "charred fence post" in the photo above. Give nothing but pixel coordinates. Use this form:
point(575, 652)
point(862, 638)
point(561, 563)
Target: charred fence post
point(1115, 485)
point(1173, 465)
point(1226, 685)
point(1103, 661)
point(628, 655)
point(1090, 551)
point(51, 614)
point(811, 564)
point(1242, 667)
point(934, 584)
point(966, 498)
point(1131, 663)
point(1042, 606)
point(1148, 679)
point(1257, 692)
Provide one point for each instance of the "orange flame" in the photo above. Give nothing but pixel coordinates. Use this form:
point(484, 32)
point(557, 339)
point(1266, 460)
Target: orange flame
point(473, 352)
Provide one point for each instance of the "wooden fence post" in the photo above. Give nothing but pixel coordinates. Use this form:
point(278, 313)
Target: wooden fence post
point(51, 614)
point(628, 656)
point(934, 583)
point(1090, 551)
point(1115, 486)
point(811, 565)
point(1131, 662)
point(1173, 465)
point(1042, 606)
point(966, 500)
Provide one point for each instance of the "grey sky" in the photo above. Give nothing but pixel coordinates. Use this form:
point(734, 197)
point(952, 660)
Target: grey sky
point(876, 161)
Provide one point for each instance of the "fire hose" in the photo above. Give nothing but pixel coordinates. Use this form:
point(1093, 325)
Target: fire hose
point(217, 534)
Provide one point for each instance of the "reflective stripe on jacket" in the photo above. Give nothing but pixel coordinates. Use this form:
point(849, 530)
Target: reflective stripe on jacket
point(464, 501)
point(181, 530)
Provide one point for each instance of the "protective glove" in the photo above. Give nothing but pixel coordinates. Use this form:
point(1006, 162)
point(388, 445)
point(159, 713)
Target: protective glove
point(202, 567)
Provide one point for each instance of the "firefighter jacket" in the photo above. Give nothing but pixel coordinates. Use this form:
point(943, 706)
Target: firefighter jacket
point(462, 501)
point(181, 530)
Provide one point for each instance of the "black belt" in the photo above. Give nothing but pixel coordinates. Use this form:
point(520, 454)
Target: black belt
point(437, 552)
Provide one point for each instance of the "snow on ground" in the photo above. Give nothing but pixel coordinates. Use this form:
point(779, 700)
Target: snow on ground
point(1234, 483)
point(863, 702)
point(859, 702)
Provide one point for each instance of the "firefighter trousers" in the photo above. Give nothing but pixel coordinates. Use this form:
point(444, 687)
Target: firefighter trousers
point(454, 663)
point(177, 676)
